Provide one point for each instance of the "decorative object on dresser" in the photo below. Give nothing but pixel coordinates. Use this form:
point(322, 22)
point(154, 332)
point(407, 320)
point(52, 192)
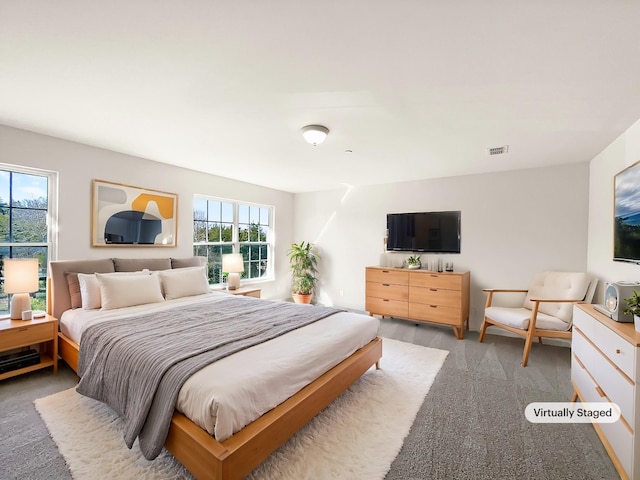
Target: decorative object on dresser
point(20, 279)
point(633, 308)
point(303, 262)
point(233, 264)
point(419, 295)
point(605, 364)
point(41, 333)
point(413, 262)
point(615, 303)
point(547, 309)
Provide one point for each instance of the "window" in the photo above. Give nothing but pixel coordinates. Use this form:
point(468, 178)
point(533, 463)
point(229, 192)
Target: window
point(26, 213)
point(226, 226)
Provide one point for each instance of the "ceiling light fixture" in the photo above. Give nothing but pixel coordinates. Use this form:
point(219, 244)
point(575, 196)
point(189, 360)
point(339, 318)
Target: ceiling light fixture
point(315, 134)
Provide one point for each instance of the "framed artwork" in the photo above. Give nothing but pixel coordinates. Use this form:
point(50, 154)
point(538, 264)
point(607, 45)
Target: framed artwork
point(123, 215)
point(626, 215)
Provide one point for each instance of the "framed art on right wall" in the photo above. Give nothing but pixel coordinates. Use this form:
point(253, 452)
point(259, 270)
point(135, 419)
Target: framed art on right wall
point(626, 215)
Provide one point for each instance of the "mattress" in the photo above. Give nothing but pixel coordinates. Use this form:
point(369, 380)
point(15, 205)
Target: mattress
point(227, 395)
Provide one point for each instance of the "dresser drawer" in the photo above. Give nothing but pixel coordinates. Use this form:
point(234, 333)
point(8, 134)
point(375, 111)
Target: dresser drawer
point(381, 275)
point(435, 296)
point(435, 280)
point(584, 322)
point(390, 308)
point(619, 351)
point(388, 291)
point(617, 434)
point(25, 336)
point(615, 386)
point(435, 313)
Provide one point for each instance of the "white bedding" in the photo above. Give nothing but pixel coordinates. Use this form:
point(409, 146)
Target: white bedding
point(229, 394)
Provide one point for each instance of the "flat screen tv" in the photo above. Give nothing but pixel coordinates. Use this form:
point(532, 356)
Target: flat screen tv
point(626, 216)
point(428, 232)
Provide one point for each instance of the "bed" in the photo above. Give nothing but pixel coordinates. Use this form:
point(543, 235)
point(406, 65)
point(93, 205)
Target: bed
point(235, 453)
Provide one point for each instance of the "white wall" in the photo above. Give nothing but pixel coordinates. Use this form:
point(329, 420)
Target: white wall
point(513, 224)
point(624, 151)
point(78, 164)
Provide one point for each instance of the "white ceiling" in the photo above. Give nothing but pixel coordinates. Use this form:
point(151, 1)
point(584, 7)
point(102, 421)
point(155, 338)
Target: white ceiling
point(414, 89)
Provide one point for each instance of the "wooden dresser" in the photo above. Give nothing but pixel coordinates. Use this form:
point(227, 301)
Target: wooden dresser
point(604, 368)
point(419, 295)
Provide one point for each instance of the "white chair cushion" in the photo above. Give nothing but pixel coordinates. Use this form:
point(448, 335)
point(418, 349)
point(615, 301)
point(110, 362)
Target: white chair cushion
point(558, 285)
point(520, 317)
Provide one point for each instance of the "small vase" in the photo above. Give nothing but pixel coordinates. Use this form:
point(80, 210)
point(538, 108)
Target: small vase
point(414, 266)
point(636, 322)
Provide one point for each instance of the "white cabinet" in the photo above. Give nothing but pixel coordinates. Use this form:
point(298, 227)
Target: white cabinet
point(604, 368)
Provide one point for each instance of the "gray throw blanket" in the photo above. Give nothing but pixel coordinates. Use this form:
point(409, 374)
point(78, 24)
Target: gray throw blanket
point(137, 365)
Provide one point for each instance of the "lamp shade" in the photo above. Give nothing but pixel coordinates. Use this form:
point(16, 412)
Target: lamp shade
point(232, 263)
point(20, 275)
point(315, 134)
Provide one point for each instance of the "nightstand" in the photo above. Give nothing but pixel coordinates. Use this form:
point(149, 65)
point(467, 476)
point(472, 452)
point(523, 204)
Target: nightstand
point(41, 333)
point(246, 291)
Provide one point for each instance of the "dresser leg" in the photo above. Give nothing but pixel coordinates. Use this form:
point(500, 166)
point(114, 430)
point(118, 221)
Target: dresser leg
point(574, 398)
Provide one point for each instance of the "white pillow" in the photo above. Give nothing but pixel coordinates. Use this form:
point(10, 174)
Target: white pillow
point(118, 291)
point(184, 282)
point(90, 288)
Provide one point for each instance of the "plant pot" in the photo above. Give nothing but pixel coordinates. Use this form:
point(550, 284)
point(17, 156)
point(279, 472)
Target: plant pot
point(636, 322)
point(302, 298)
point(414, 266)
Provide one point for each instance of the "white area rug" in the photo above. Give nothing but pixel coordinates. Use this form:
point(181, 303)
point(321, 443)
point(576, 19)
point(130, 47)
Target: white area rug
point(356, 437)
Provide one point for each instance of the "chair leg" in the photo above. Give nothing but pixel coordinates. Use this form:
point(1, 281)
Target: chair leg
point(483, 329)
point(540, 340)
point(527, 348)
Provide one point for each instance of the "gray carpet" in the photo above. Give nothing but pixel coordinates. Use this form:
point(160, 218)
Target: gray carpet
point(471, 425)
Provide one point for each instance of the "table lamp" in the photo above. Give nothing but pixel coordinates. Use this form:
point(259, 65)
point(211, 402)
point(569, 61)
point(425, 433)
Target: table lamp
point(233, 264)
point(20, 279)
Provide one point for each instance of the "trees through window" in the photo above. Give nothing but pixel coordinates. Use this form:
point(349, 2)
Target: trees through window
point(226, 226)
point(25, 229)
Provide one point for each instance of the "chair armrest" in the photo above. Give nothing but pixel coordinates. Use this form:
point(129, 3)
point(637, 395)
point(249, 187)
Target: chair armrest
point(491, 291)
point(504, 290)
point(555, 300)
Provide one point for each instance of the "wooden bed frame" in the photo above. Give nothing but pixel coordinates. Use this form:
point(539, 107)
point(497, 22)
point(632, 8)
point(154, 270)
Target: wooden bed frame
point(235, 457)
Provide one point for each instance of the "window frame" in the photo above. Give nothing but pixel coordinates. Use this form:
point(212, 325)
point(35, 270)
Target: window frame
point(51, 219)
point(235, 243)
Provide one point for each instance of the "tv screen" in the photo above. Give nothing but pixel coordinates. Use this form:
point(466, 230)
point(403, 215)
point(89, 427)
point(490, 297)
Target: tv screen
point(428, 232)
point(626, 217)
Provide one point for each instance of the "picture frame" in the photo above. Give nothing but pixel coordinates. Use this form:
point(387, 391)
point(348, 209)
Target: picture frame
point(128, 216)
point(626, 214)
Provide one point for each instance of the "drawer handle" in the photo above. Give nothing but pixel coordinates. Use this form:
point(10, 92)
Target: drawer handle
point(433, 306)
point(617, 350)
point(600, 391)
point(386, 284)
point(434, 276)
point(385, 300)
point(433, 289)
point(385, 271)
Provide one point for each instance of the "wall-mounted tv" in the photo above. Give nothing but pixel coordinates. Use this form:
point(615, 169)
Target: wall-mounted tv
point(626, 216)
point(428, 232)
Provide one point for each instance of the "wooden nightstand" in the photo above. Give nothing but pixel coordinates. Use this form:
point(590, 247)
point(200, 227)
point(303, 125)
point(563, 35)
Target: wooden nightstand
point(246, 291)
point(41, 332)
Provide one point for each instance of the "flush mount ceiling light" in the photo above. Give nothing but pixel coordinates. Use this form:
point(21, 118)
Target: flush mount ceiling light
point(314, 134)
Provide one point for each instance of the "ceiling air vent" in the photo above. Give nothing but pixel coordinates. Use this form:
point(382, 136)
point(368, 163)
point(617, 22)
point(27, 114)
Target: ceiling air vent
point(497, 150)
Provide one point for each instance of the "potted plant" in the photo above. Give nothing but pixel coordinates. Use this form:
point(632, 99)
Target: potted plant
point(633, 307)
point(303, 263)
point(413, 262)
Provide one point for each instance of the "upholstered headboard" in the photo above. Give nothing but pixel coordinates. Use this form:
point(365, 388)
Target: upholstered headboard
point(59, 298)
